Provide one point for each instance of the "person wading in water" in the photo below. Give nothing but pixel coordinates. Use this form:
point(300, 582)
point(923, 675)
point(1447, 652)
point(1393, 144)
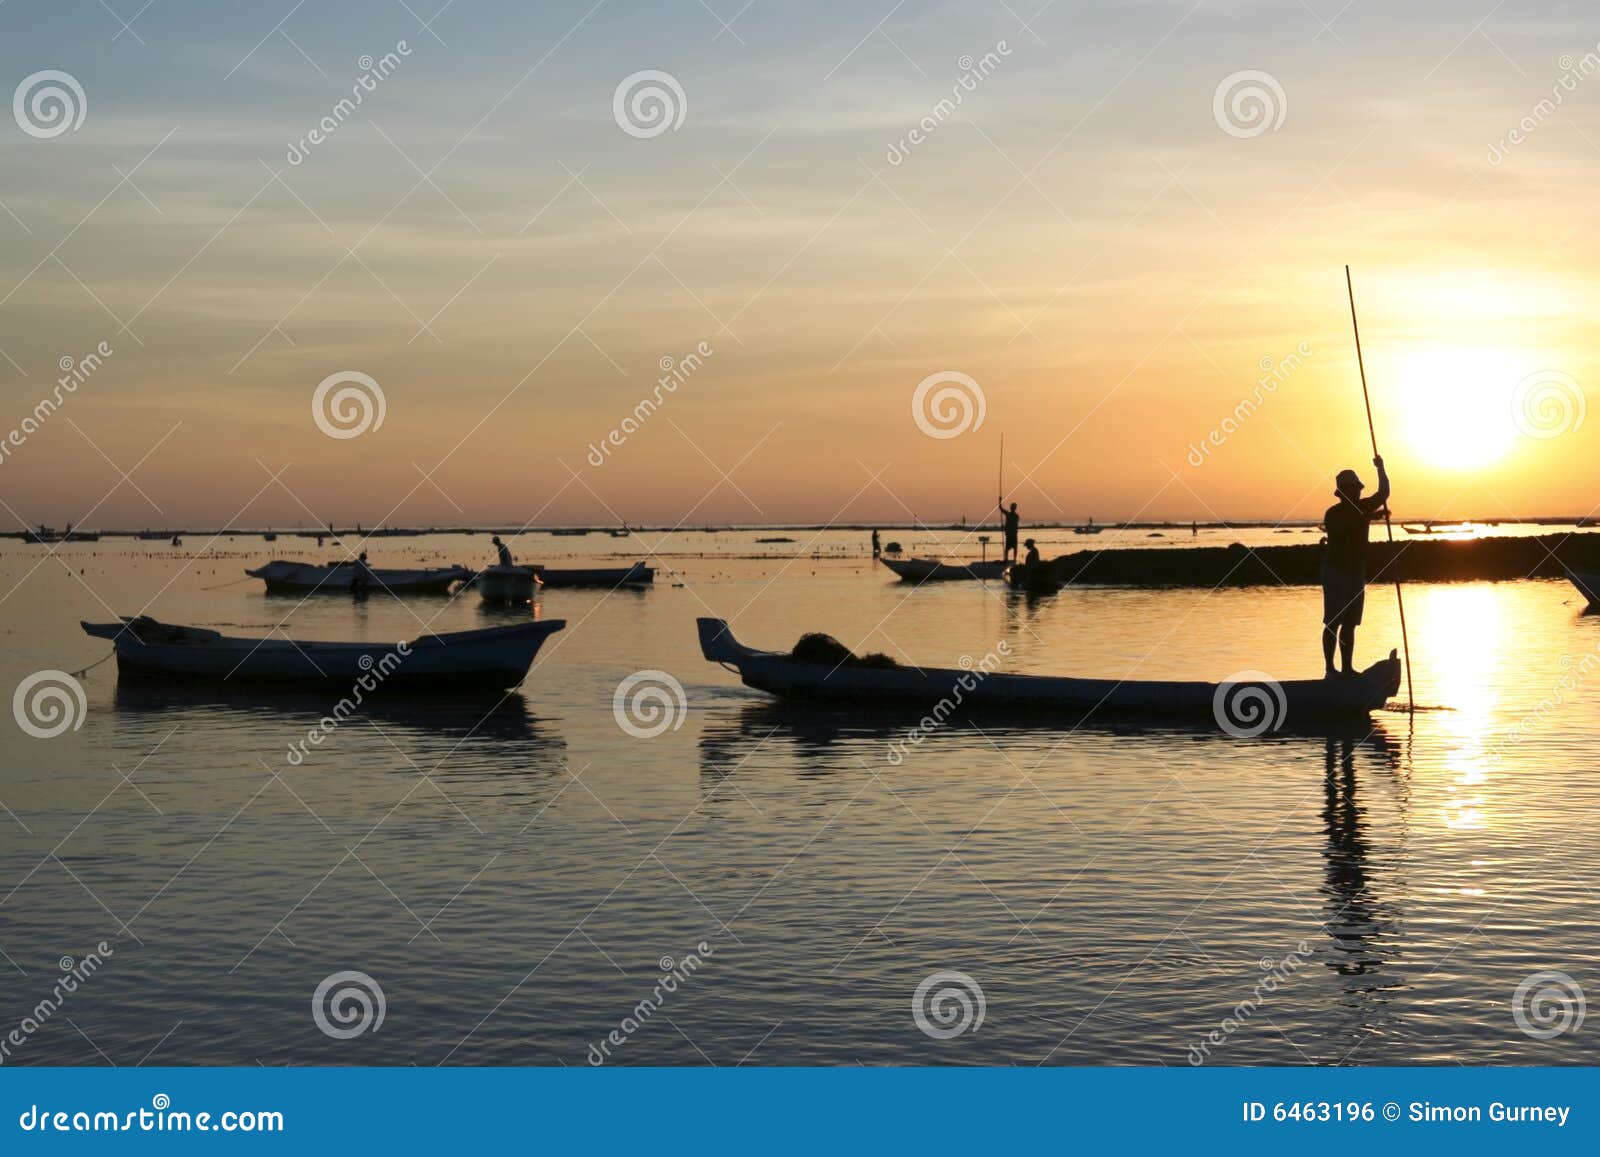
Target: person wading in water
point(1344, 564)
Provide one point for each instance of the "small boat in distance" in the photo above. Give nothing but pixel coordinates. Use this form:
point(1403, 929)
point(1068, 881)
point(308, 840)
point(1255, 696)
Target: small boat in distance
point(920, 570)
point(568, 531)
point(1087, 528)
point(1068, 701)
point(492, 658)
point(1588, 584)
point(284, 577)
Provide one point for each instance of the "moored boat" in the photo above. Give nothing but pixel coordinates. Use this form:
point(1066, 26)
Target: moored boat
point(506, 584)
point(494, 657)
point(932, 570)
point(601, 576)
point(1588, 584)
point(1251, 705)
point(284, 577)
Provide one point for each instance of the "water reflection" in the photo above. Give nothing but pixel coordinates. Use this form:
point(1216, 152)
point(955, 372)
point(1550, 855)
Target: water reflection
point(1358, 917)
point(506, 719)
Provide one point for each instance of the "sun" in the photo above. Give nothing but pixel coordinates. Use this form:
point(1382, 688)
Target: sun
point(1455, 405)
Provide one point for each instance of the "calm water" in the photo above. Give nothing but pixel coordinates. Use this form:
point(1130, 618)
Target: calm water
point(512, 879)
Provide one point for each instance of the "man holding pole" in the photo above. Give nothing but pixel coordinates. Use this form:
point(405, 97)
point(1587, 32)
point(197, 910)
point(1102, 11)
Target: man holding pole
point(1344, 563)
point(1009, 523)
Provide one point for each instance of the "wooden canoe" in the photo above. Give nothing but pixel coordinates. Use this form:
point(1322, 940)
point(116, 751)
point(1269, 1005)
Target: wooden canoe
point(494, 657)
point(284, 577)
point(1237, 702)
point(921, 570)
point(600, 576)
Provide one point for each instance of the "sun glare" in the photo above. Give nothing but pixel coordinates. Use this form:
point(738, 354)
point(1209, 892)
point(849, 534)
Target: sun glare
point(1455, 405)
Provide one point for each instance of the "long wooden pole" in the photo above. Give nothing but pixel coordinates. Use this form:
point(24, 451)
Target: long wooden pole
point(1372, 432)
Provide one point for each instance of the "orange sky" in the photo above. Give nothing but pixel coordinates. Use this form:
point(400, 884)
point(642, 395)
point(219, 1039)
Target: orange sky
point(1083, 237)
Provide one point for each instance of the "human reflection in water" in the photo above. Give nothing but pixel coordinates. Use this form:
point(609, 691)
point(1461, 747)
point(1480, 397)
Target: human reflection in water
point(1358, 919)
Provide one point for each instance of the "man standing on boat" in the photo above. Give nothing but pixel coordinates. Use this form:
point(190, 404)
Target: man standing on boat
point(1344, 563)
point(1010, 522)
point(503, 550)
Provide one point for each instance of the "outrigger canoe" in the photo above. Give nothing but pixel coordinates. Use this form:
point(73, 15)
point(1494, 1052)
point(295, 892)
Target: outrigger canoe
point(1588, 584)
point(1287, 704)
point(919, 570)
point(283, 577)
point(495, 657)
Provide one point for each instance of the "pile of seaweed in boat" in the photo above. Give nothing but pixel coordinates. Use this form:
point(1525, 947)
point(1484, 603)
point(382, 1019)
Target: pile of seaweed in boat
point(819, 648)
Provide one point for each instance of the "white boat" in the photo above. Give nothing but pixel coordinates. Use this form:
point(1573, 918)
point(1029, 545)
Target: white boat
point(1588, 584)
point(1284, 704)
point(283, 577)
point(921, 570)
point(495, 657)
point(505, 584)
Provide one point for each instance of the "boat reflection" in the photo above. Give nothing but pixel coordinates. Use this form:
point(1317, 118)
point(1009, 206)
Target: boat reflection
point(467, 718)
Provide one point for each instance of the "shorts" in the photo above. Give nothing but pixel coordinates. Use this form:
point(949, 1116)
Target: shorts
point(1344, 597)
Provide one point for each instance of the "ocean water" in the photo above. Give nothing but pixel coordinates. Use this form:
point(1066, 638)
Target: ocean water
point(516, 878)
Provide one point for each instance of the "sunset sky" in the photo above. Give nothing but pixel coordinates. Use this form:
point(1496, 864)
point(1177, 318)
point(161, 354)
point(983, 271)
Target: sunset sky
point(1108, 247)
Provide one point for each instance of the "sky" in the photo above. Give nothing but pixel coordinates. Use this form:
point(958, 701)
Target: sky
point(824, 263)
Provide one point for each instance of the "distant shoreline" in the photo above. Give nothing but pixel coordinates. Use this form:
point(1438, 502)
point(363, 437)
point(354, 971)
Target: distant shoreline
point(152, 534)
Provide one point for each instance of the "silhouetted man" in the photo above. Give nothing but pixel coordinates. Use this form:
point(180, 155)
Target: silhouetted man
point(361, 579)
point(1344, 563)
point(503, 550)
point(1011, 522)
point(1031, 559)
point(875, 550)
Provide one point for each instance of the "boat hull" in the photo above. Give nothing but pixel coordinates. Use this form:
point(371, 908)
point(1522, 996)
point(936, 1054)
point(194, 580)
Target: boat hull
point(305, 578)
point(1588, 584)
point(623, 576)
point(492, 658)
point(506, 584)
point(1289, 704)
point(921, 570)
